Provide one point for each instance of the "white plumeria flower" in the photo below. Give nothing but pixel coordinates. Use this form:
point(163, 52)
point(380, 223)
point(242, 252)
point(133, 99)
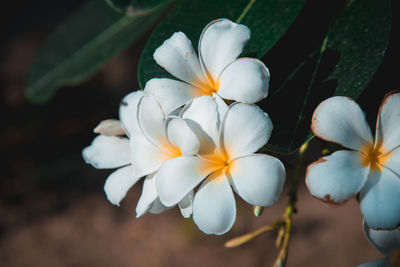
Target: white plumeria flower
point(138, 114)
point(160, 138)
point(385, 241)
point(226, 158)
point(370, 167)
point(216, 70)
point(111, 149)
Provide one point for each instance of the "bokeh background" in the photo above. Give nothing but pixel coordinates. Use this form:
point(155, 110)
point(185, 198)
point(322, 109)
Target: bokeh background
point(53, 211)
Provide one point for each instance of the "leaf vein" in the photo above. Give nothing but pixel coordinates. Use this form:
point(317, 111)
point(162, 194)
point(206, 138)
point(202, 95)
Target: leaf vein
point(245, 11)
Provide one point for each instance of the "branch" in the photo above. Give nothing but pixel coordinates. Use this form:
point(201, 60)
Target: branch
point(283, 238)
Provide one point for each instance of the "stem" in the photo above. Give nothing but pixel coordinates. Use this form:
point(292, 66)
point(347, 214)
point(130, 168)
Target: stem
point(284, 226)
point(240, 240)
point(283, 239)
point(297, 174)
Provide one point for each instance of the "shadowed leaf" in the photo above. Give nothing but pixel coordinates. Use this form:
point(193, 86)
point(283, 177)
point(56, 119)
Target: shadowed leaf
point(342, 63)
point(87, 40)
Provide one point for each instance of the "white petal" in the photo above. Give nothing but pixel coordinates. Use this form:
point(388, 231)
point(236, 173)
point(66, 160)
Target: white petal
point(176, 112)
point(149, 195)
point(128, 111)
point(118, 184)
point(380, 201)
point(389, 116)
point(245, 129)
point(258, 178)
point(214, 208)
point(203, 118)
point(107, 152)
point(385, 241)
point(336, 178)
point(339, 119)
point(393, 161)
point(146, 157)
point(244, 80)
point(177, 56)
point(221, 42)
point(178, 176)
point(181, 135)
point(151, 120)
point(222, 107)
point(157, 207)
point(185, 205)
point(171, 94)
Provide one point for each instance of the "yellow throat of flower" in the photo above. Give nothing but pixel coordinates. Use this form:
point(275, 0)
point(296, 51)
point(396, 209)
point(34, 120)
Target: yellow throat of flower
point(169, 151)
point(218, 162)
point(374, 157)
point(208, 84)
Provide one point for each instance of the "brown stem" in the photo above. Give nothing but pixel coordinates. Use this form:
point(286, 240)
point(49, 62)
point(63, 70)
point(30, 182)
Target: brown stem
point(284, 226)
point(240, 240)
point(283, 239)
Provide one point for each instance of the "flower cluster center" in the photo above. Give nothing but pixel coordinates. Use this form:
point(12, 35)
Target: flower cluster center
point(223, 163)
point(209, 84)
point(175, 152)
point(374, 157)
point(218, 161)
point(226, 167)
point(171, 151)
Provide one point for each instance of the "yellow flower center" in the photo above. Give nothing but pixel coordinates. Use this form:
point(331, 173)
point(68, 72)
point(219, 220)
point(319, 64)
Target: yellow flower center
point(218, 161)
point(174, 152)
point(374, 157)
point(208, 84)
point(169, 151)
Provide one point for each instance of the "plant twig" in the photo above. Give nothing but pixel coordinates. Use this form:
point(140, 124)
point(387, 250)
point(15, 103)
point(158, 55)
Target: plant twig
point(283, 238)
point(240, 240)
point(284, 226)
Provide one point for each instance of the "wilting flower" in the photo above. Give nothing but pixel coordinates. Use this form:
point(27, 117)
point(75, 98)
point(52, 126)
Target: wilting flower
point(370, 167)
point(216, 70)
point(226, 158)
point(111, 149)
point(385, 241)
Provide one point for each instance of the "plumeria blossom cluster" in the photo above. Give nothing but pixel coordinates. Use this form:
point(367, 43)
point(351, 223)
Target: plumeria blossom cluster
point(370, 167)
point(191, 148)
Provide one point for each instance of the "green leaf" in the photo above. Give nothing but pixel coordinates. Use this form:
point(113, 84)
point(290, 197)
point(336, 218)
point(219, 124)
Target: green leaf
point(361, 35)
point(268, 20)
point(119, 5)
point(343, 64)
point(124, 6)
point(87, 40)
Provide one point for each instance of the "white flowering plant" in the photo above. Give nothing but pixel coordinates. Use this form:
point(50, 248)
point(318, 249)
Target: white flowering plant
point(206, 124)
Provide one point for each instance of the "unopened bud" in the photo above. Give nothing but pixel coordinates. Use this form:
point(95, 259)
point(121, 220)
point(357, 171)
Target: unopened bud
point(258, 210)
point(109, 128)
point(325, 151)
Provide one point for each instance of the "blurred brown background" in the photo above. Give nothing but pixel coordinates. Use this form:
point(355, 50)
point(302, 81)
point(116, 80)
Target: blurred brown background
point(53, 211)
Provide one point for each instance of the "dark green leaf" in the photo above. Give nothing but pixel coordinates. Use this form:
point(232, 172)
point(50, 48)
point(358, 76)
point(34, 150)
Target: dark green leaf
point(343, 64)
point(268, 20)
point(119, 5)
point(126, 6)
point(85, 41)
point(361, 35)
